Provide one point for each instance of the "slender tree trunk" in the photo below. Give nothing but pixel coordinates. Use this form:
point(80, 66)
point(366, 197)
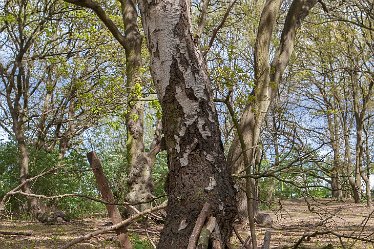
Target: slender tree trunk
point(349, 167)
point(359, 155)
point(198, 171)
point(368, 168)
point(267, 77)
point(24, 173)
point(140, 164)
point(275, 132)
point(334, 140)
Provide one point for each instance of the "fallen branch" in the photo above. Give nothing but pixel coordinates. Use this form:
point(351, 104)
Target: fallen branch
point(238, 235)
point(198, 226)
point(107, 195)
point(25, 233)
point(15, 191)
point(244, 243)
point(340, 236)
point(247, 243)
point(86, 197)
point(113, 227)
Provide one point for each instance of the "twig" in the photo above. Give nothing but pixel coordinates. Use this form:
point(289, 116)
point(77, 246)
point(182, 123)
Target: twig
point(220, 25)
point(149, 239)
point(198, 226)
point(15, 190)
point(318, 233)
point(84, 196)
point(113, 227)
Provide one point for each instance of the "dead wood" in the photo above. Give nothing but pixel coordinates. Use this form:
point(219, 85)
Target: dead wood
point(206, 232)
point(24, 233)
point(107, 195)
point(113, 227)
point(198, 226)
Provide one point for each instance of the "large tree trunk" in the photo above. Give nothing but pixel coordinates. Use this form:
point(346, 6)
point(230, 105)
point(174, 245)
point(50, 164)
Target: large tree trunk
point(198, 171)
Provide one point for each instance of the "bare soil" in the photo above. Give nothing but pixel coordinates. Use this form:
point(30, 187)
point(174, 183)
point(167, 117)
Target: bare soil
point(322, 223)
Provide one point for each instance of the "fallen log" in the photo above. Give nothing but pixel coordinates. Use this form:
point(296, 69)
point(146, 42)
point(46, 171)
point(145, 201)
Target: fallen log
point(25, 233)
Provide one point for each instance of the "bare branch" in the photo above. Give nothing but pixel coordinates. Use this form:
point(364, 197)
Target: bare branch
point(15, 191)
point(319, 233)
point(113, 227)
point(100, 12)
point(220, 25)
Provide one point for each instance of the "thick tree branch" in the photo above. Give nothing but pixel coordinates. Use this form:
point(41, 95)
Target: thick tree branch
point(100, 12)
point(107, 195)
point(298, 11)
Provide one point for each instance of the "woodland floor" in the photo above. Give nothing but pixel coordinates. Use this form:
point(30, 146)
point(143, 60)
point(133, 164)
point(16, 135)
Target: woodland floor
point(292, 220)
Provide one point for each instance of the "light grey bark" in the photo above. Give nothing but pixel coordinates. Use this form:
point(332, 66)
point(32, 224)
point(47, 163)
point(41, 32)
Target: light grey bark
point(368, 166)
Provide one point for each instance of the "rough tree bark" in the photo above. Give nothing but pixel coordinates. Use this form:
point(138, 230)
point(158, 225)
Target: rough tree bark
point(198, 171)
point(267, 79)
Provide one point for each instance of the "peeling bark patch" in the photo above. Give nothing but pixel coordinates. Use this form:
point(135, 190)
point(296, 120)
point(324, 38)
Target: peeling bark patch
point(197, 167)
point(182, 225)
point(211, 185)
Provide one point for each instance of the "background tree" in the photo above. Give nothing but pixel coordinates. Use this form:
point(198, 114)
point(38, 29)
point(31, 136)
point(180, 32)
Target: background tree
point(47, 97)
